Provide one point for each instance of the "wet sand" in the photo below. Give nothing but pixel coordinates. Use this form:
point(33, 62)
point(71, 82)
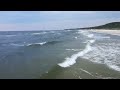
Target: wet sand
point(112, 32)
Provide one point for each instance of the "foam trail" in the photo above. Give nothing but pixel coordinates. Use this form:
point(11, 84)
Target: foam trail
point(86, 71)
point(72, 60)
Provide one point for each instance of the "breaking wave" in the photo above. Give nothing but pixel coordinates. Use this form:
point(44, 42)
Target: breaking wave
point(39, 33)
point(105, 54)
point(72, 60)
point(42, 43)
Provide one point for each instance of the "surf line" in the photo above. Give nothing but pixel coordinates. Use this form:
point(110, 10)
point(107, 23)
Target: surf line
point(72, 60)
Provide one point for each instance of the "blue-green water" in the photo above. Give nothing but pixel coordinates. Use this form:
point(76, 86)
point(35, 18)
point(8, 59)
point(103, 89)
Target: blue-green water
point(59, 54)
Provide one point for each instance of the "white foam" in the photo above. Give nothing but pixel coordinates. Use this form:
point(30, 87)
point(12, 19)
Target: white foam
point(90, 35)
point(72, 60)
point(112, 65)
point(86, 33)
point(115, 67)
point(102, 37)
point(82, 31)
point(76, 37)
point(10, 35)
point(108, 54)
point(39, 33)
point(42, 43)
point(73, 49)
point(86, 71)
point(89, 41)
point(92, 41)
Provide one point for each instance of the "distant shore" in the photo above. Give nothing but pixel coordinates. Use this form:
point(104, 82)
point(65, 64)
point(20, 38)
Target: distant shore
point(112, 32)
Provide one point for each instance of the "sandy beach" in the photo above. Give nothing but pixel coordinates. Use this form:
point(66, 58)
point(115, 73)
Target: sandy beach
point(112, 32)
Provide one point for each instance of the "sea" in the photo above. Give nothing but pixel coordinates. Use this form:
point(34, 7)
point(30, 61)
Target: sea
point(59, 54)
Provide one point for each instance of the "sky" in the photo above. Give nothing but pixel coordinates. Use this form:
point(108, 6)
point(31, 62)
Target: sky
point(54, 20)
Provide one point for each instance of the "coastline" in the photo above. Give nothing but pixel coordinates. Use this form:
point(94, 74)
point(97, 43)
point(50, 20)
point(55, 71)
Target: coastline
point(112, 32)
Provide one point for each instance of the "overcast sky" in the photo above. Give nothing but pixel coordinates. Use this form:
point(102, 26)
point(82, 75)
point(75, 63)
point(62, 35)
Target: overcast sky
point(52, 20)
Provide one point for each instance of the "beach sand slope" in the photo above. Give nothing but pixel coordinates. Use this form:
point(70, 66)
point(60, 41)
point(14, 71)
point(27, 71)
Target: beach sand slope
point(112, 32)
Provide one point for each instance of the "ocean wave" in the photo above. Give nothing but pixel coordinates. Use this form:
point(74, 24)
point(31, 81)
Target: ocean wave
point(89, 41)
point(13, 44)
point(86, 33)
point(39, 33)
point(53, 42)
point(73, 49)
point(33, 44)
point(102, 37)
point(72, 60)
point(8, 35)
point(80, 32)
point(105, 54)
point(90, 35)
point(43, 43)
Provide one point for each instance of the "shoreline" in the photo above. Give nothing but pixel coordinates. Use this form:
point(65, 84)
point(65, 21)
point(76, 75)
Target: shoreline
point(104, 31)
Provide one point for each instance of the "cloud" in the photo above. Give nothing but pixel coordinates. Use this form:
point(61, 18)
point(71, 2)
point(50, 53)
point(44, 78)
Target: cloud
point(44, 20)
point(55, 25)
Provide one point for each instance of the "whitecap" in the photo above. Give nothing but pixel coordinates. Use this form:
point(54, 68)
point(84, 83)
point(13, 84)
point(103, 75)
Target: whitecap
point(76, 37)
point(42, 43)
point(90, 35)
point(73, 49)
point(39, 33)
point(72, 60)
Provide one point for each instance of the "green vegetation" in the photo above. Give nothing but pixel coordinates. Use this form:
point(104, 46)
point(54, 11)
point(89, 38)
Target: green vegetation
point(112, 25)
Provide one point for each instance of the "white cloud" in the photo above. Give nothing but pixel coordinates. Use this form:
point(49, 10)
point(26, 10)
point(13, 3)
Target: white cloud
point(60, 20)
point(55, 25)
